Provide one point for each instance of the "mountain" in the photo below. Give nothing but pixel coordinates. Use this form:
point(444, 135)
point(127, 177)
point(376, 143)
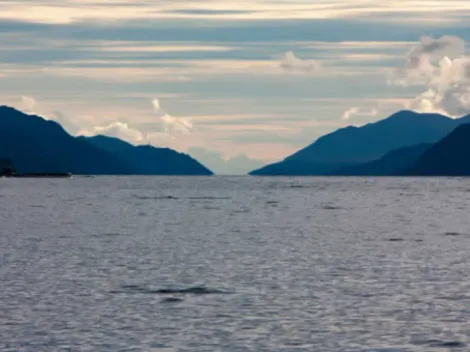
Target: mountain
point(216, 161)
point(148, 160)
point(36, 145)
point(357, 145)
point(111, 144)
point(448, 157)
point(292, 167)
point(393, 163)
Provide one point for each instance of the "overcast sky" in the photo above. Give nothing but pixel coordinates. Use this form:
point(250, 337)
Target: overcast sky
point(232, 79)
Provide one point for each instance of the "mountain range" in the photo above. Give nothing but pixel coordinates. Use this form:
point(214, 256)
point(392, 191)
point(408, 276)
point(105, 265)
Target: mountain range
point(405, 144)
point(389, 147)
point(37, 145)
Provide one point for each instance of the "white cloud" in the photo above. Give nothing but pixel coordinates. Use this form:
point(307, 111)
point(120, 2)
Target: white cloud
point(172, 124)
point(116, 129)
point(29, 103)
point(356, 111)
point(88, 128)
point(64, 121)
point(449, 46)
point(441, 66)
point(290, 62)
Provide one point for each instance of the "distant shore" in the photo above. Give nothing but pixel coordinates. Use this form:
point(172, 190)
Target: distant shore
point(39, 175)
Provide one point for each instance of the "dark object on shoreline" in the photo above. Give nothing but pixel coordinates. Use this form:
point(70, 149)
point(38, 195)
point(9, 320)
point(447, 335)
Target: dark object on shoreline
point(42, 175)
point(7, 169)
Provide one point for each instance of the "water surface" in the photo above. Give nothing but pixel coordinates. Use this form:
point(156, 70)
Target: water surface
point(234, 264)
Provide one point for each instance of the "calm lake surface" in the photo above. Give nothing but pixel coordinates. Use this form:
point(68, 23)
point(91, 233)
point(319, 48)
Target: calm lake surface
point(234, 264)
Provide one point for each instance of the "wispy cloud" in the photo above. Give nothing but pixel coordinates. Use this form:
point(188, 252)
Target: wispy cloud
point(290, 62)
point(357, 111)
point(69, 11)
point(172, 124)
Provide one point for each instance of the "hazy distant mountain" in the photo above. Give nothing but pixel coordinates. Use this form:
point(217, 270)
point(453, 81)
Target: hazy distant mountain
point(292, 167)
point(354, 145)
point(216, 161)
point(36, 145)
point(393, 163)
point(148, 160)
point(448, 157)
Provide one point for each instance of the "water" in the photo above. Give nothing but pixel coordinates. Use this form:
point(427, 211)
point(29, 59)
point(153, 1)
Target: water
point(234, 264)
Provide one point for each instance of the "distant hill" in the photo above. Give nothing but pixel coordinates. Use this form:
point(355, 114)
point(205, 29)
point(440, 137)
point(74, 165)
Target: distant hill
point(448, 157)
point(148, 160)
point(358, 145)
point(36, 145)
point(111, 144)
point(292, 167)
point(393, 163)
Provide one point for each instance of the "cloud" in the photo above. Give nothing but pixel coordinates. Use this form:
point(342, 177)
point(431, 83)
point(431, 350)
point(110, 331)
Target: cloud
point(290, 62)
point(116, 129)
point(29, 103)
point(88, 127)
point(172, 124)
point(430, 48)
point(217, 162)
point(72, 11)
point(425, 61)
point(356, 111)
point(439, 65)
point(65, 122)
point(454, 101)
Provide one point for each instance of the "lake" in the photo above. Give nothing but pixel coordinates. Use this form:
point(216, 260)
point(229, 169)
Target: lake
point(161, 264)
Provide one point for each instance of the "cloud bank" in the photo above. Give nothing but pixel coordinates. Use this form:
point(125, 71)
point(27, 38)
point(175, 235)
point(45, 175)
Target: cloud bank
point(441, 66)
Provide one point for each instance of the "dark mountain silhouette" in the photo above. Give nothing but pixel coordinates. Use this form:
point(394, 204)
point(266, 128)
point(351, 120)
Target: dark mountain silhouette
point(36, 145)
point(148, 160)
point(111, 144)
point(357, 145)
point(393, 163)
point(448, 157)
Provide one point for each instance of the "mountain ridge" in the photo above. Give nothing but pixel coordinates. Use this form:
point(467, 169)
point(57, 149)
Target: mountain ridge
point(138, 156)
point(353, 145)
point(448, 157)
point(37, 145)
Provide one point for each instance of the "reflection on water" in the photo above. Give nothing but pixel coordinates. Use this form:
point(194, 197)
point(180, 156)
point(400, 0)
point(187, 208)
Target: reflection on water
point(234, 264)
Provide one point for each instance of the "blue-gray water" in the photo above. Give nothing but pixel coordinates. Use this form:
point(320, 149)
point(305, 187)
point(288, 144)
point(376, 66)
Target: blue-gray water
point(245, 264)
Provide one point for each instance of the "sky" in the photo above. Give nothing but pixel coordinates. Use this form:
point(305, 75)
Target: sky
point(236, 84)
